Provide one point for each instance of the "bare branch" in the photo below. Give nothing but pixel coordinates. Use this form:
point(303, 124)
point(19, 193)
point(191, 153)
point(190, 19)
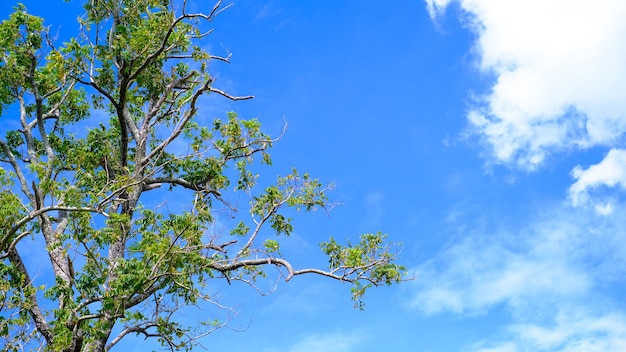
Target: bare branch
point(181, 124)
point(139, 328)
point(259, 224)
point(163, 46)
point(231, 97)
point(181, 182)
point(39, 114)
point(220, 247)
point(18, 171)
point(156, 105)
point(280, 262)
point(211, 57)
point(27, 129)
point(56, 106)
point(13, 243)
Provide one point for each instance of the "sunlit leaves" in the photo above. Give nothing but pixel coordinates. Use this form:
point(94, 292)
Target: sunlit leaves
point(271, 246)
point(294, 190)
point(371, 253)
point(20, 39)
point(240, 230)
point(11, 211)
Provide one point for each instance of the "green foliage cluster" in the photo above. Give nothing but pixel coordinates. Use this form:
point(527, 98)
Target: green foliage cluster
point(80, 186)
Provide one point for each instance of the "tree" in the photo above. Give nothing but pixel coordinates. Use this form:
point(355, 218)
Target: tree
point(83, 187)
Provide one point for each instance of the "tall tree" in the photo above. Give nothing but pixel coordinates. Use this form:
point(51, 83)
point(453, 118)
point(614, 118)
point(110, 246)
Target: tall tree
point(80, 186)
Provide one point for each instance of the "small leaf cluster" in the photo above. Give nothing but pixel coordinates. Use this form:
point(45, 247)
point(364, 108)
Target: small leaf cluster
point(370, 260)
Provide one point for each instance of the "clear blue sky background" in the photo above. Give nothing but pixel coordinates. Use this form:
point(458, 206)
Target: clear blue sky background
point(485, 135)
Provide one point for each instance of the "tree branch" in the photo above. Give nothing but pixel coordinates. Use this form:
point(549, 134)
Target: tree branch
point(13, 243)
point(180, 125)
point(231, 97)
point(278, 262)
point(18, 171)
point(260, 224)
point(36, 213)
point(181, 182)
point(34, 309)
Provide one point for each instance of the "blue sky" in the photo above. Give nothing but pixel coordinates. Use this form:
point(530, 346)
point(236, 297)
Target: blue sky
point(485, 135)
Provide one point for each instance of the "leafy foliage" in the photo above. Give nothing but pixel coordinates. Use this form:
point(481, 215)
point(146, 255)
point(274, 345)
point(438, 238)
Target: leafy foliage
point(82, 188)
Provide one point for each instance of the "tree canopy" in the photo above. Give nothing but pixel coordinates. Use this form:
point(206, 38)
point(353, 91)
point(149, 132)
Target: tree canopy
point(95, 130)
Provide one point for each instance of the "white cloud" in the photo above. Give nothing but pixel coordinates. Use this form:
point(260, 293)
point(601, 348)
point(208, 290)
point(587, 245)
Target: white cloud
point(550, 276)
point(505, 347)
point(573, 330)
point(611, 172)
point(329, 342)
point(543, 261)
point(559, 74)
point(561, 256)
point(476, 275)
point(436, 7)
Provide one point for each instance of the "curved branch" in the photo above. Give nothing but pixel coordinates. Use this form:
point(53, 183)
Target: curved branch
point(278, 262)
point(232, 153)
point(33, 308)
point(157, 104)
point(139, 328)
point(92, 83)
point(13, 244)
point(39, 115)
point(163, 46)
point(41, 211)
point(260, 224)
point(176, 181)
point(18, 171)
point(231, 97)
point(181, 124)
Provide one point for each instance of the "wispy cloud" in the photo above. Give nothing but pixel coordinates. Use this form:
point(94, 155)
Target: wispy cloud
point(610, 172)
point(267, 9)
point(550, 276)
point(558, 75)
point(329, 342)
point(484, 270)
point(574, 330)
